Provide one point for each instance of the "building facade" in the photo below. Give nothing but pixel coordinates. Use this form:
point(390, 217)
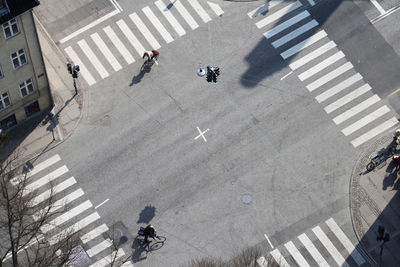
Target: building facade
point(24, 88)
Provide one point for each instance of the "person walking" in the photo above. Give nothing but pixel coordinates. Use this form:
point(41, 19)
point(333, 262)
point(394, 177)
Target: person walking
point(153, 54)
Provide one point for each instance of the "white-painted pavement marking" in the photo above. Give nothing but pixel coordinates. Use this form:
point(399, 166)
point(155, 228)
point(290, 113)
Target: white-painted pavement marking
point(94, 233)
point(45, 179)
point(345, 241)
point(116, 5)
point(264, 8)
point(84, 71)
point(185, 14)
point(171, 19)
point(201, 134)
point(106, 52)
point(299, 31)
point(330, 247)
point(127, 264)
point(329, 76)
point(157, 24)
point(356, 109)
point(102, 203)
point(374, 132)
point(107, 260)
point(303, 44)
point(365, 120)
point(313, 55)
point(286, 24)
point(313, 250)
point(99, 247)
point(200, 10)
point(43, 165)
point(311, 2)
point(301, 261)
point(93, 58)
point(278, 14)
point(145, 31)
point(52, 191)
point(118, 44)
point(338, 88)
point(216, 8)
point(131, 37)
point(378, 6)
point(347, 98)
point(284, 77)
point(266, 237)
point(320, 66)
point(278, 258)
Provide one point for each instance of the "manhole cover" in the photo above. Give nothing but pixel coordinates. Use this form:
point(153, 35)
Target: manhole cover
point(246, 199)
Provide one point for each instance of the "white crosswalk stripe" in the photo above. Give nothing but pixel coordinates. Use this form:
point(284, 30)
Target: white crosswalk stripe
point(106, 52)
point(83, 69)
point(99, 247)
point(264, 8)
point(337, 88)
point(94, 233)
point(45, 179)
point(216, 8)
point(286, 24)
point(330, 76)
point(200, 10)
point(301, 261)
point(374, 132)
point(170, 18)
point(365, 120)
point(185, 14)
point(304, 44)
point(314, 54)
point(157, 24)
point(347, 98)
point(131, 37)
point(320, 66)
point(118, 44)
point(93, 59)
point(277, 15)
point(295, 33)
point(278, 258)
point(145, 31)
point(53, 191)
point(313, 250)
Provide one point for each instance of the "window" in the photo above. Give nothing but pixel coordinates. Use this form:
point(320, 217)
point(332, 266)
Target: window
point(18, 58)
point(8, 122)
point(4, 101)
point(32, 109)
point(26, 88)
point(10, 28)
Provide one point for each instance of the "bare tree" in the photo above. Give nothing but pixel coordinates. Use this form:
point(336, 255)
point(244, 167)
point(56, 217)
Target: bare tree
point(27, 235)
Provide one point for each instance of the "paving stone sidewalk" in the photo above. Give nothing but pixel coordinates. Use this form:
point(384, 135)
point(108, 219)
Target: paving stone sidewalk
point(374, 202)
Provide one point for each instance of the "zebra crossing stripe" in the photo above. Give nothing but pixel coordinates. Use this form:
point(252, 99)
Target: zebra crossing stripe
point(345, 241)
point(301, 261)
point(277, 29)
point(185, 14)
point(356, 109)
point(53, 191)
point(338, 88)
point(74, 228)
point(45, 179)
point(107, 260)
point(94, 233)
point(299, 31)
point(85, 73)
point(303, 44)
point(99, 247)
point(127, 264)
point(278, 14)
point(313, 55)
point(131, 37)
point(365, 120)
point(171, 19)
point(330, 247)
point(374, 132)
point(279, 258)
point(106, 52)
point(329, 76)
point(200, 10)
point(66, 216)
point(93, 59)
point(347, 98)
point(320, 66)
point(118, 44)
point(264, 8)
point(145, 31)
point(313, 250)
point(157, 24)
point(216, 8)
point(43, 165)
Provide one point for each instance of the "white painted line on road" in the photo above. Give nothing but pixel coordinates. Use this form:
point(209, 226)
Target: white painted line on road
point(338, 88)
point(185, 14)
point(286, 75)
point(102, 203)
point(216, 8)
point(85, 72)
point(301, 261)
point(303, 44)
point(52, 191)
point(283, 26)
point(313, 55)
point(145, 31)
point(90, 25)
point(279, 258)
point(278, 14)
point(330, 247)
point(311, 2)
point(264, 8)
point(200, 10)
point(108, 259)
point(118, 44)
point(329, 76)
point(356, 109)
point(94, 233)
point(299, 31)
point(374, 132)
point(157, 24)
point(106, 52)
point(45, 179)
point(345, 241)
point(201, 134)
point(320, 66)
point(171, 19)
point(93, 58)
point(313, 250)
point(127, 264)
point(131, 37)
point(378, 6)
point(365, 120)
point(387, 13)
point(347, 98)
point(116, 5)
point(266, 237)
point(99, 247)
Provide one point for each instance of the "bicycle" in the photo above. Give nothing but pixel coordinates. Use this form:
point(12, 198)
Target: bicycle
point(381, 157)
point(159, 240)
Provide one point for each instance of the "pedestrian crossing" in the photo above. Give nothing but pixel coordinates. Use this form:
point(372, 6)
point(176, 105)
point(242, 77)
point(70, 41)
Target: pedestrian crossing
point(322, 66)
point(50, 178)
point(111, 49)
point(324, 245)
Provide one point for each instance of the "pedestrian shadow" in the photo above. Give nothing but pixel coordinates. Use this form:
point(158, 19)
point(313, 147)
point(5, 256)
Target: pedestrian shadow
point(391, 176)
point(145, 68)
point(140, 250)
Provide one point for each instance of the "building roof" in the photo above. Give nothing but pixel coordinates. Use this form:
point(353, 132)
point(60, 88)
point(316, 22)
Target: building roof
point(16, 8)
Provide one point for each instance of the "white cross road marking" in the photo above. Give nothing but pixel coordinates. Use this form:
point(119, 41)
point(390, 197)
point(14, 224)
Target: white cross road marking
point(201, 134)
point(94, 233)
point(102, 203)
point(45, 179)
point(216, 8)
point(266, 237)
point(301, 261)
point(365, 120)
point(313, 250)
point(279, 258)
point(320, 66)
point(157, 24)
point(171, 19)
point(118, 44)
point(85, 72)
point(347, 98)
point(99, 247)
point(303, 44)
point(264, 8)
point(185, 14)
point(312, 55)
point(106, 52)
point(329, 76)
point(107, 260)
point(52, 191)
point(145, 31)
point(200, 10)
point(374, 132)
point(277, 15)
point(93, 58)
point(284, 25)
point(378, 6)
point(337, 88)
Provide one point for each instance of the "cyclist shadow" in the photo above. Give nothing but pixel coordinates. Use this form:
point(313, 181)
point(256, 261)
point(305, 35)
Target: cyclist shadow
point(140, 250)
point(145, 68)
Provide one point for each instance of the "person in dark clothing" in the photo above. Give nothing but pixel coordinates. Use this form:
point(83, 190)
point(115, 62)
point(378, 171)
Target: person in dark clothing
point(149, 231)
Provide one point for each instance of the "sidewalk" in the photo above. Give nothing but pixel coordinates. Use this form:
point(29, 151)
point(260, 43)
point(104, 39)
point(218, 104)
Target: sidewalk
point(51, 127)
point(374, 202)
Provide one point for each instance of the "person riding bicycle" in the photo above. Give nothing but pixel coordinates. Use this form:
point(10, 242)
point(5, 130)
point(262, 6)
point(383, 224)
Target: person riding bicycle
point(151, 55)
point(149, 231)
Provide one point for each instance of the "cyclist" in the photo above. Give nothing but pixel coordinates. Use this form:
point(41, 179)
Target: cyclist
point(151, 55)
point(149, 231)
